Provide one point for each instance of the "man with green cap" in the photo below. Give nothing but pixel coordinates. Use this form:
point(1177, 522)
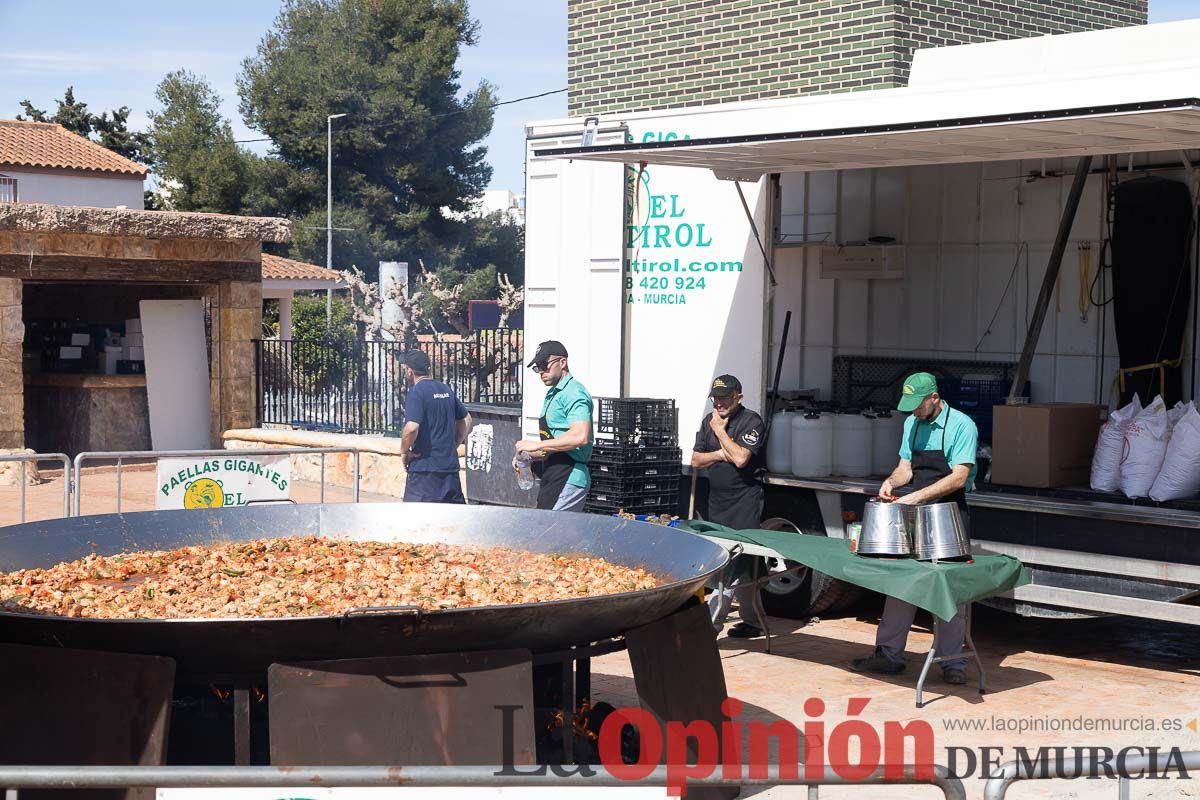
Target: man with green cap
point(937, 455)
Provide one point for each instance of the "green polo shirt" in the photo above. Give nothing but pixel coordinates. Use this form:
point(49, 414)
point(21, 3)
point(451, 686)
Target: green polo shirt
point(962, 439)
point(566, 402)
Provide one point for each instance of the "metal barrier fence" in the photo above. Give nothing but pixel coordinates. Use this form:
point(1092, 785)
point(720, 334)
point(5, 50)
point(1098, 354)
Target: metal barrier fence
point(16, 778)
point(141, 455)
point(359, 386)
point(25, 458)
point(1132, 768)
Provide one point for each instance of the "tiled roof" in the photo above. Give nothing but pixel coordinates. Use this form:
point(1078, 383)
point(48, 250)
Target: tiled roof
point(278, 268)
point(49, 145)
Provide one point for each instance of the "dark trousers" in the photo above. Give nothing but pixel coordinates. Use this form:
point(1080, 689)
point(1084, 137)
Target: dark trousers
point(433, 487)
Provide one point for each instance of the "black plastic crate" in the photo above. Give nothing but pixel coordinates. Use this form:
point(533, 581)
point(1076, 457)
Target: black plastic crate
point(650, 471)
point(609, 508)
point(637, 420)
point(616, 455)
point(637, 437)
point(633, 485)
point(976, 399)
point(638, 499)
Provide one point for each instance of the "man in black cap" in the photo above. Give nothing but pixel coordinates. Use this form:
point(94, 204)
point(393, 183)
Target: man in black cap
point(729, 448)
point(435, 424)
point(564, 446)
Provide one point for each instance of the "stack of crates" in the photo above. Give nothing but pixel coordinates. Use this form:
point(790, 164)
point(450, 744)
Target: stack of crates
point(976, 397)
point(636, 461)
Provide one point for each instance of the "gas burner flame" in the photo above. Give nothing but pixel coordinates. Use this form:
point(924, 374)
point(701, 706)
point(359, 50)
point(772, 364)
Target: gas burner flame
point(580, 723)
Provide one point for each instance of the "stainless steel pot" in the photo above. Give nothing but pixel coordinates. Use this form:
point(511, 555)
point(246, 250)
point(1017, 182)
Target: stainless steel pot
point(939, 533)
point(886, 530)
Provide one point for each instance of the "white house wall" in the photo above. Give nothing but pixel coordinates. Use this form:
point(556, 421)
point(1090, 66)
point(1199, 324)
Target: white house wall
point(91, 190)
point(963, 227)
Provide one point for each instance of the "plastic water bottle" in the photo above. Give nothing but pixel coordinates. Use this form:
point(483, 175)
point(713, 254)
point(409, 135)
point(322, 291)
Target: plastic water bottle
point(525, 477)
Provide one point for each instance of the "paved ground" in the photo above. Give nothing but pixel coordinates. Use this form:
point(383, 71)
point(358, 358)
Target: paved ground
point(1042, 672)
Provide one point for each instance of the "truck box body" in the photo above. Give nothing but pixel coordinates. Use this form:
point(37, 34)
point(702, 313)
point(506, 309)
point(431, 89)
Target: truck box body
point(651, 272)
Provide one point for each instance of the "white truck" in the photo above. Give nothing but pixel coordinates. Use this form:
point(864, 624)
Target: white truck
point(911, 224)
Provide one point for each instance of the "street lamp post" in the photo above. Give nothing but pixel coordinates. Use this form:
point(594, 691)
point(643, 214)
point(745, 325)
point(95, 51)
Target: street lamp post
point(329, 212)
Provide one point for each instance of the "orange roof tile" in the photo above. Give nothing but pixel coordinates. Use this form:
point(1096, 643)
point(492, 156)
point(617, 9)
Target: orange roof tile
point(278, 268)
point(47, 144)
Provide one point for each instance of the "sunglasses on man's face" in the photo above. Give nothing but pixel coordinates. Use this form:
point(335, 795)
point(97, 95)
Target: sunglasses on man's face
point(539, 368)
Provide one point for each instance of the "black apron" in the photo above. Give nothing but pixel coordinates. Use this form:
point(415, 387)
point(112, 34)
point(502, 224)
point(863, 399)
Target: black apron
point(553, 470)
point(930, 466)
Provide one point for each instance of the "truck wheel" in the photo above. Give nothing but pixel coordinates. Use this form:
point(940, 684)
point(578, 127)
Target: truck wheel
point(804, 592)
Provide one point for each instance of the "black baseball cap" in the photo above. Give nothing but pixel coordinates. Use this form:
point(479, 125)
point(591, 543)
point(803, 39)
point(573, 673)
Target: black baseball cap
point(417, 360)
point(546, 351)
point(724, 385)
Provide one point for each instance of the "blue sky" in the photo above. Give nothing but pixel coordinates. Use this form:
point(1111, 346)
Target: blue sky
point(116, 52)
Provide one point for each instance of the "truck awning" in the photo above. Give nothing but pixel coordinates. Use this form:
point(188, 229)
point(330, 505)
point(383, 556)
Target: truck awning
point(1159, 125)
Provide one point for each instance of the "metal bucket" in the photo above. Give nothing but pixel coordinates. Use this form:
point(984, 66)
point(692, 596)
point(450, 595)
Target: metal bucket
point(939, 533)
point(886, 530)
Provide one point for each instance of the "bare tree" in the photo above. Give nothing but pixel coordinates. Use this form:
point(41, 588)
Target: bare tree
point(450, 299)
point(482, 360)
point(510, 300)
point(365, 300)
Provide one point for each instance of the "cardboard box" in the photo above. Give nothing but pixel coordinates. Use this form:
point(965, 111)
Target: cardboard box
point(133, 340)
point(135, 354)
point(1043, 445)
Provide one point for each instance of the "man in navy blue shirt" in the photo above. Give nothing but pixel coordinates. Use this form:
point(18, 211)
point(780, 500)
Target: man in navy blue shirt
point(435, 424)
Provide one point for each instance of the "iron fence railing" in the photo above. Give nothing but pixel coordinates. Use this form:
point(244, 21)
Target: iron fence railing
point(359, 387)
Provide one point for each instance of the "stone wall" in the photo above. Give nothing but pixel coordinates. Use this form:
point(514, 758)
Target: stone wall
point(236, 323)
point(625, 56)
point(12, 388)
point(381, 470)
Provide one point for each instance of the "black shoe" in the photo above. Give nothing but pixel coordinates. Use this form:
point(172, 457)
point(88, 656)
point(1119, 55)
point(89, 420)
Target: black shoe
point(744, 630)
point(877, 663)
point(954, 676)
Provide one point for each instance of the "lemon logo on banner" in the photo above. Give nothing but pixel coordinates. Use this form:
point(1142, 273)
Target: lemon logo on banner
point(204, 493)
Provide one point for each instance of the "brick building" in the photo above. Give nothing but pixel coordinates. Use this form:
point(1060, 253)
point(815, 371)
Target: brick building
point(625, 56)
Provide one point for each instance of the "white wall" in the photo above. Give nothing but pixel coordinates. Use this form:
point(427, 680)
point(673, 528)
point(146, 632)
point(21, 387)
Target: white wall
point(963, 227)
point(77, 190)
point(573, 270)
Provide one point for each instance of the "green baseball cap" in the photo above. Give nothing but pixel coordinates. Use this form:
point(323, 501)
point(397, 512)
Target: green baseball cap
point(917, 387)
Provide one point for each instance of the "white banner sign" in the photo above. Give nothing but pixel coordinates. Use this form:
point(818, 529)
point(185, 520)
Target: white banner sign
point(216, 482)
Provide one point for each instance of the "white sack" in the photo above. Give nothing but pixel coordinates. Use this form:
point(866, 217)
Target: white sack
point(1106, 460)
point(1175, 414)
point(1145, 447)
point(1180, 474)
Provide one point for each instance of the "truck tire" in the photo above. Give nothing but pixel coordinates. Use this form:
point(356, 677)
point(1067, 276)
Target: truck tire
point(805, 592)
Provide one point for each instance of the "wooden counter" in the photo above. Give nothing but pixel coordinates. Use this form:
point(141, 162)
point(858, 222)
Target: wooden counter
point(71, 380)
point(77, 412)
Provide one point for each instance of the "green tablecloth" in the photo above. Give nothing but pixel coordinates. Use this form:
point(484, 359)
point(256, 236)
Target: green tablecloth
point(937, 588)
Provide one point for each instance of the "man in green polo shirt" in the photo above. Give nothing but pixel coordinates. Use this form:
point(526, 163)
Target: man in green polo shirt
point(565, 429)
point(937, 455)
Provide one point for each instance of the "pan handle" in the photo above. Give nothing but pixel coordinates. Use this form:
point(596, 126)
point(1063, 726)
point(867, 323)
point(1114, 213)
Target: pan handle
point(366, 611)
point(736, 551)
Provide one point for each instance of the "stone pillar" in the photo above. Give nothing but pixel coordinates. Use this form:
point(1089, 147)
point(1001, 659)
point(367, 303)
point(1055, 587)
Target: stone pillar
point(240, 323)
point(12, 380)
